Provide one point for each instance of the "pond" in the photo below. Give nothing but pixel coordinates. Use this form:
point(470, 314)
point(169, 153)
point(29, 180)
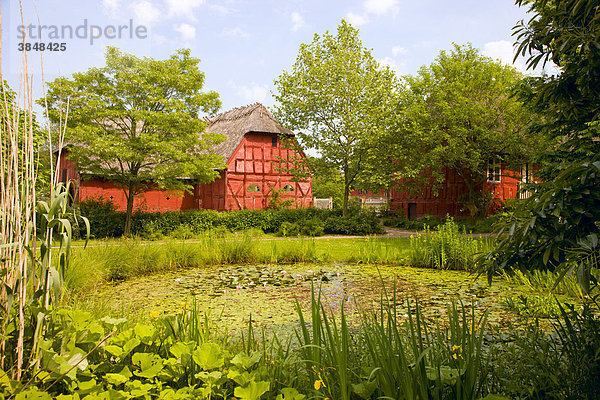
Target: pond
point(230, 295)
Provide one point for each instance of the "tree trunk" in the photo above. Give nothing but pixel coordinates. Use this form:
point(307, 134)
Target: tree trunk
point(346, 192)
point(128, 213)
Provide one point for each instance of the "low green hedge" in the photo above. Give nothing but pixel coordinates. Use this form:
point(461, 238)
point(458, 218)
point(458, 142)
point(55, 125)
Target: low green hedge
point(106, 221)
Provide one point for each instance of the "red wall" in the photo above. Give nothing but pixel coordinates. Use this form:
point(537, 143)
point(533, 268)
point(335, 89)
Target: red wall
point(450, 195)
point(254, 162)
point(251, 163)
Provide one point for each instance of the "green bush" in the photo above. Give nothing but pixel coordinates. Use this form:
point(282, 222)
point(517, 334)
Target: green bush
point(445, 248)
point(105, 220)
point(289, 229)
point(357, 224)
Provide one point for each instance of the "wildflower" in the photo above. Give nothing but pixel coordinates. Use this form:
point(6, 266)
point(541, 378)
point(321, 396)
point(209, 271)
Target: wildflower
point(178, 280)
point(455, 347)
point(309, 271)
point(283, 272)
point(238, 287)
point(319, 383)
point(154, 314)
point(183, 305)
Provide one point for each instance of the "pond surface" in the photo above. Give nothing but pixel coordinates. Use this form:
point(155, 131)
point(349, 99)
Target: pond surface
point(267, 293)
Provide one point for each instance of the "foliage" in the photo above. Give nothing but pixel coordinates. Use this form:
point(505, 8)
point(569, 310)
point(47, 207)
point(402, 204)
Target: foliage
point(327, 181)
point(564, 364)
point(106, 222)
point(565, 33)
point(338, 99)
point(460, 116)
point(556, 229)
point(445, 248)
point(404, 358)
point(176, 357)
point(364, 223)
point(135, 122)
point(104, 219)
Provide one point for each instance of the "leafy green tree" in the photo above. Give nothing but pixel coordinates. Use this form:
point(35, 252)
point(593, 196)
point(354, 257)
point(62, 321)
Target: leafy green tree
point(135, 122)
point(327, 181)
point(460, 115)
point(558, 228)
point(339, 99)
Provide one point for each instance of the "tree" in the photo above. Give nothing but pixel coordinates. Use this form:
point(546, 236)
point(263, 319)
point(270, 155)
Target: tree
point(558, 227)
point(460, 115)
point(339, 99)
point(327, 181)
point(135, 122)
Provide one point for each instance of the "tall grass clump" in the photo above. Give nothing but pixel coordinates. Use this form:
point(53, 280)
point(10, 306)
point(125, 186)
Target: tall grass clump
point(391, 355)
point(293, 251)
point(239, 250)
point(446, 248)
point(35, 230)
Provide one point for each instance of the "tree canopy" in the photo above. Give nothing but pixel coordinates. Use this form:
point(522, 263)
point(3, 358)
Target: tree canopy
point(339, 99)
point(136, 122)
point(459, 115)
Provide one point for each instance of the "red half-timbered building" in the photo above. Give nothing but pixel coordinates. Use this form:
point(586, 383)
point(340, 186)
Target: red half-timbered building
point(253, 151)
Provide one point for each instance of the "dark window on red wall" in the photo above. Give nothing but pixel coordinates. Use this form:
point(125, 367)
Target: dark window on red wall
point(64, 176)
point(274, 141)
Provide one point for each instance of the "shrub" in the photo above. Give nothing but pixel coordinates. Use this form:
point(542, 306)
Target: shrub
point(357, 224)
point(105, 220)
point(289, 229)
point(445, 248)
point(312, 227)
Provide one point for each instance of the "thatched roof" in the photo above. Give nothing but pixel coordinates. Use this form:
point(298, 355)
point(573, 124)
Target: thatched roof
point(236, 123)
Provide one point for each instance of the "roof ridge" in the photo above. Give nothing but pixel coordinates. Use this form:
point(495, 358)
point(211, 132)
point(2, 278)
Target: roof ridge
point(236, 113)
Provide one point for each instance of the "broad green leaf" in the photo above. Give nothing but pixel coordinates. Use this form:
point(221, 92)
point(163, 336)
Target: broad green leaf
point(290, 394)
point(209, 356)
point(253, 391)
point(149, 363)
point(245, 361)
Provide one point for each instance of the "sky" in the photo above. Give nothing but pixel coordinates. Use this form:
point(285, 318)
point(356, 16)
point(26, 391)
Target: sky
point(245, 45)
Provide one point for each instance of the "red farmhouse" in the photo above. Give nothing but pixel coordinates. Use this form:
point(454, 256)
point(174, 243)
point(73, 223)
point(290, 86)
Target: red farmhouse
point(252, 152)
point(501, 183)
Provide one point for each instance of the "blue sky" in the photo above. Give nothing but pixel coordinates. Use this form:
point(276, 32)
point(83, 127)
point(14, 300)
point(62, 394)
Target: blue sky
point(245, 45)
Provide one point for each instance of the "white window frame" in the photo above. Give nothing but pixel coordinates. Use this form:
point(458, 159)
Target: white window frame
point(494, 170)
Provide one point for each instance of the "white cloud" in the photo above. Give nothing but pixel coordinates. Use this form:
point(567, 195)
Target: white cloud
point(398, 50)
point(373, 8)
point(187, 31)
point(251, 93)
point(145, 12)
point(220, 9)
point(357, 19)
point(502, 50)
point(297, 21)
point(380, 7)
point(182, 8)
point(111, 6)
point(235, 32)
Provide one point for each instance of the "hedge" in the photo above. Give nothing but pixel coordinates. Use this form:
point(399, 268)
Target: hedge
point(106, 221)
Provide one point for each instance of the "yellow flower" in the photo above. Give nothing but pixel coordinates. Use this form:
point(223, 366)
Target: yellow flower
point(154, 314)
point(454, 356)
point(183, 304)
point(318, 384)
point(459, 348)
